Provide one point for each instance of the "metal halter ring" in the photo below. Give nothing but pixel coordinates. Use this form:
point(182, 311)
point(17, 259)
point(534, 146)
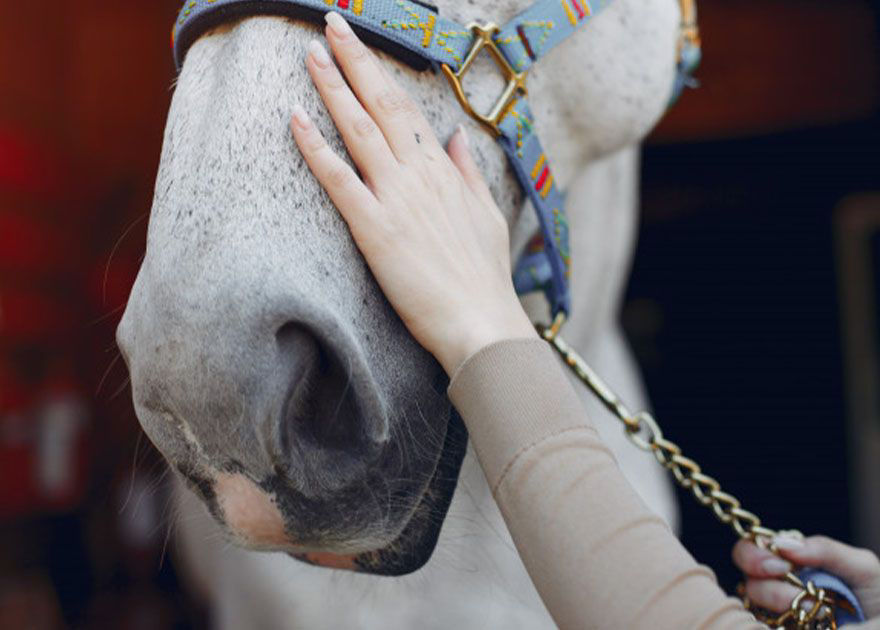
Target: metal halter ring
point(516, 81)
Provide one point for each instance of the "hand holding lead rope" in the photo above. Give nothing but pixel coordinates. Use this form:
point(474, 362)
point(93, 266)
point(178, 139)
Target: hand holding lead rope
point(813, 608)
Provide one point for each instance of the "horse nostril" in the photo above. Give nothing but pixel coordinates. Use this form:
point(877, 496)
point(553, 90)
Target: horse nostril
point(321, 410)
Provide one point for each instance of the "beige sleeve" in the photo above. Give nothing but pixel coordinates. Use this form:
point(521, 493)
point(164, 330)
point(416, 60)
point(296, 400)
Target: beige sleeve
point(597, 555)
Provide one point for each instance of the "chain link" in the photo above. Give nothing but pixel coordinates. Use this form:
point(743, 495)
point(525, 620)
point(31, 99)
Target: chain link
point(813, 608)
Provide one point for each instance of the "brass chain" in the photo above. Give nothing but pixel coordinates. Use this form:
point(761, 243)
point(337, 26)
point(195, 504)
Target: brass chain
point(813, 608)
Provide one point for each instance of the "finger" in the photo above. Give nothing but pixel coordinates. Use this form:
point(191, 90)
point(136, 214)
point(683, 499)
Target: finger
point(355, 202)
point(399, 118)
point(758, 563)
point(459, 152)
point(853, 565)
point(364, 139)
point(773, 595)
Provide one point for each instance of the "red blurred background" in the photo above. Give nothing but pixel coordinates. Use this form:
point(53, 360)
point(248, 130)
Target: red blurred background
point(84, 90)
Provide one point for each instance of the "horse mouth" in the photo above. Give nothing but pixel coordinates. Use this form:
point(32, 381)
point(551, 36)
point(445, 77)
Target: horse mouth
point(370, 461)
point(329, 519)
point(417, 540)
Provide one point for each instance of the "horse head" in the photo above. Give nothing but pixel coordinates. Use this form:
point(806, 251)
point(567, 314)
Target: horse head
point(265, 363)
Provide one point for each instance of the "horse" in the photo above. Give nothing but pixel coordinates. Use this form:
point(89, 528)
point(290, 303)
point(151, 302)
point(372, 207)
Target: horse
point(306, 426)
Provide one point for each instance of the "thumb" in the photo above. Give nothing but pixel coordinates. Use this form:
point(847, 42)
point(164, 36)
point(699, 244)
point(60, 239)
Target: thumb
point(459, 152)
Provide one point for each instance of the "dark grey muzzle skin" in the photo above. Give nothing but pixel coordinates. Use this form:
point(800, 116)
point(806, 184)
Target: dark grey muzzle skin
point(259, 377)
point(257, 340)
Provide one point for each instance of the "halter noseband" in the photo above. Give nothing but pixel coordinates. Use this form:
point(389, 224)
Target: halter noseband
point(416, 34)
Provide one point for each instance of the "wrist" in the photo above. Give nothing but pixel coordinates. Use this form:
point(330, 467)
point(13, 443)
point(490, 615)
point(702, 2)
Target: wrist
point(469, 335)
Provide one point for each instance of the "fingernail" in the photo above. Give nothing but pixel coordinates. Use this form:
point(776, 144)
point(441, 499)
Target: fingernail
point(300, 117)
point(787, 542)
point(319, 53)
point(464, 135)
point(338, 24)
point(775, 566)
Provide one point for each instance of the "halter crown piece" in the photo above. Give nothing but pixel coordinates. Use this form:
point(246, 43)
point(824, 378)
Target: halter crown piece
point(416, 34)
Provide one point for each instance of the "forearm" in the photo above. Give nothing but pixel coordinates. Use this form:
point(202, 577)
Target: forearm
point(597, 555)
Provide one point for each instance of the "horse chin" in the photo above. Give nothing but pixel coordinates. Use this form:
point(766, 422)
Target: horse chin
point(412, 549)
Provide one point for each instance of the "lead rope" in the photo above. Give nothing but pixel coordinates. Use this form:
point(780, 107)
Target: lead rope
point(813, 608)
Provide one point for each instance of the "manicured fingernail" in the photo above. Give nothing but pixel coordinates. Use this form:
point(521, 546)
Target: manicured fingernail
point(775, 566)
point(787, 542)
point(319, 53)
point(464, 135)
point(300, 117)
point(338, 24)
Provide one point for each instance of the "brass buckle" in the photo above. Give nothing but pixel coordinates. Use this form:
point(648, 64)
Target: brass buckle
point(516, 81)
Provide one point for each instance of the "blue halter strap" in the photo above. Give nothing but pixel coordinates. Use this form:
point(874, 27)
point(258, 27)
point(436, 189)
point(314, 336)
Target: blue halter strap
point(416, 34)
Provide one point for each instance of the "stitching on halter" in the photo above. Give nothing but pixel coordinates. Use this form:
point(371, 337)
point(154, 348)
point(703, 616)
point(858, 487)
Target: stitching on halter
point(418, 23)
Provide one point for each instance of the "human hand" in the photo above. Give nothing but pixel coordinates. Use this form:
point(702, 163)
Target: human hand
point(859, 568)
point(423, 218)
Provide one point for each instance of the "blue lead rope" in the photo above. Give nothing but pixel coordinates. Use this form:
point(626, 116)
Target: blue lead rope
point(830, 582)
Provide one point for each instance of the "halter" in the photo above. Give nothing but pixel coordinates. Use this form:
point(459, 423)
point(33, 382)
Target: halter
point(416, 34)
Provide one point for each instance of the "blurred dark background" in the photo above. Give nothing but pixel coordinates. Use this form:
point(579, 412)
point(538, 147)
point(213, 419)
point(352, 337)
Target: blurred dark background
point(751, 307)
point(751, 304)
